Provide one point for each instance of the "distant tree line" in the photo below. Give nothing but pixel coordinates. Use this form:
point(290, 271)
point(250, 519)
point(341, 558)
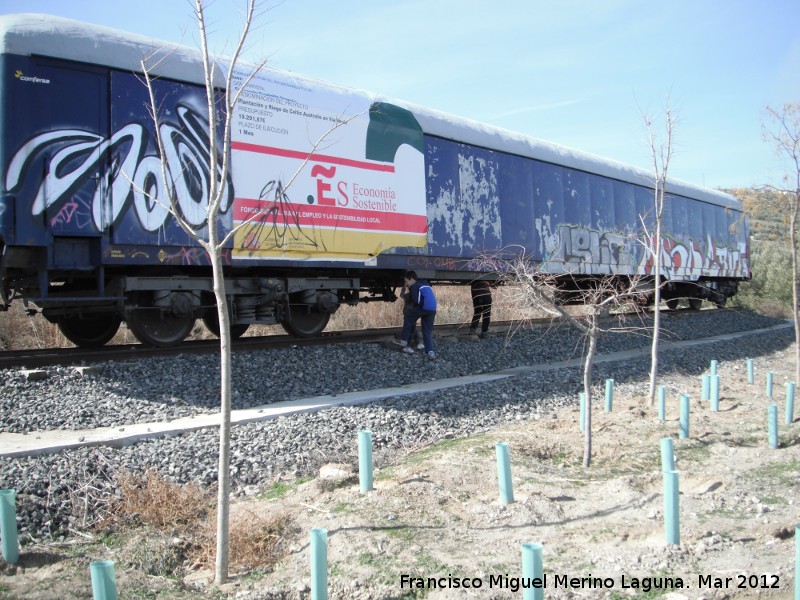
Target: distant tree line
point(770, 291)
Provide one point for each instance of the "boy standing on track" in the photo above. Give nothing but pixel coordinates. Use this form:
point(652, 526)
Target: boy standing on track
point(423, 308)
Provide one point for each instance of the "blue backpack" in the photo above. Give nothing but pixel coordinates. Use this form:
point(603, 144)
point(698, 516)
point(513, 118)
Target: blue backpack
point(426, 298)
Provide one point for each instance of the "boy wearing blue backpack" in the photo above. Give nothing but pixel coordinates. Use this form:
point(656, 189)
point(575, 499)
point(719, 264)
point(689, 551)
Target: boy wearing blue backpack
point(423, 308)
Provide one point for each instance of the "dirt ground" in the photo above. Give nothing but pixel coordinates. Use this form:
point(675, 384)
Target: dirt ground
point(437, 514)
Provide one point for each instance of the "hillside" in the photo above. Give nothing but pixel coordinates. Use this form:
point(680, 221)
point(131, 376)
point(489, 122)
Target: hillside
point(767, 211)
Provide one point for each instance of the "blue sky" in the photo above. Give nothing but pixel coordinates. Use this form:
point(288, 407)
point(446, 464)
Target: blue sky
point(575, 72)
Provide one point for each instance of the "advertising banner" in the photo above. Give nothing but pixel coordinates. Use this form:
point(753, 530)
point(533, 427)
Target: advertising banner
point(324, 173)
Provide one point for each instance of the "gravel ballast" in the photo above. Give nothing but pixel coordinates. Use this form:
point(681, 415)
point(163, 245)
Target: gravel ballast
point(60, 494)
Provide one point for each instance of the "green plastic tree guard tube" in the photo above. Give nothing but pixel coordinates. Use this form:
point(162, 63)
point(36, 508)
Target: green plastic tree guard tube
point(790, 388)
point(772, 425)
point(365, 460)
point(532, 572)
point(319, 564)
point(797, 562)
point(672, 528)
point(667, 455)
point(662, 403)
point(8, 526)
point(104, 581)
point(504, 473)
point(609, 395)
point(684, 422)
point(715, 393)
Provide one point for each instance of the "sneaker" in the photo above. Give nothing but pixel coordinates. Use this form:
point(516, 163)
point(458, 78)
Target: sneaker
point(432, 355)
point(420, 346)
point(473, 331)
point(408, 350)
point(482, 335)
point(402, 343)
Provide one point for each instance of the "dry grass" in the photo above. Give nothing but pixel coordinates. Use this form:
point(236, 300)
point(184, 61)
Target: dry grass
point(188, 513)
point(255, 541)
point(19, 331)
point(152, 500)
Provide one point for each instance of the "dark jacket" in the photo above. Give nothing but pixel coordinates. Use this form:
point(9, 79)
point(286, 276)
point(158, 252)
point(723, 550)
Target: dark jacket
point(423, 297)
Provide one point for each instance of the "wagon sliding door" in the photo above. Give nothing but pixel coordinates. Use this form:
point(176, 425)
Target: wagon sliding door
point(60, 125)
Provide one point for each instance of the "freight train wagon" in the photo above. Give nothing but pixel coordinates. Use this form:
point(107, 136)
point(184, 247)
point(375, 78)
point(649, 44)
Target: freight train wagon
point(333, 194)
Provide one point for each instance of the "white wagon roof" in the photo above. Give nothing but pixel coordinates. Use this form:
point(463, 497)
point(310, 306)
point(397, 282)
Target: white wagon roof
point(47, 35)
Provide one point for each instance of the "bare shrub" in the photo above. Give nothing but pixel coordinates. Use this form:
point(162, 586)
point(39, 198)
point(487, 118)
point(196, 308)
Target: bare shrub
point(152, 500)
point(186, 512)
point(255, 541)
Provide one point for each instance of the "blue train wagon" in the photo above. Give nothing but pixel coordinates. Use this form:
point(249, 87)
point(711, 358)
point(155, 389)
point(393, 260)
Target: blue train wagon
point(333, 193)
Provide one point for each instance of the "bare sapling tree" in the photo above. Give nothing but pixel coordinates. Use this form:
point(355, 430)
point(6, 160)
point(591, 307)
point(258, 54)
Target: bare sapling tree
point(220, 108)
point(661, 149)
point(222, 95)
point(224, 85)
point(543, 291)
point(782, 130)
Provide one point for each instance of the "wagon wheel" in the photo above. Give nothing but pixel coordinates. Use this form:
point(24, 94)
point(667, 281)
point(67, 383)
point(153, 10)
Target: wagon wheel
point(695, 303)
point(672, 303)
point(160, 327)
point(211, 321)
point(153, 328)
point(304, 321)
point(90, 332)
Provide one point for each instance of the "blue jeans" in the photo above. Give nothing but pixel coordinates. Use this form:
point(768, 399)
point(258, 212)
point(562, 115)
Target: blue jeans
point(426, 318)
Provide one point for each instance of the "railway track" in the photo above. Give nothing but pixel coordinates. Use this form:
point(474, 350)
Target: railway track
point(31, 358)
point(35, 357)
